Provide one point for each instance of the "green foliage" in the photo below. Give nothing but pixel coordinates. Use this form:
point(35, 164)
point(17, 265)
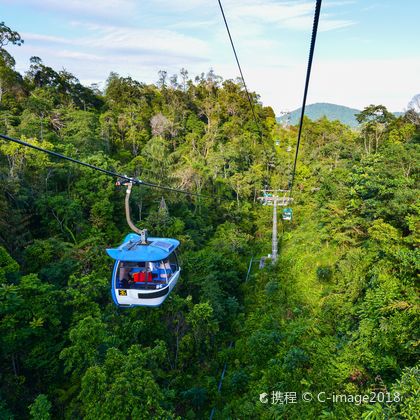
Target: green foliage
point(8, 265)
point(40, 409)
point(407, 389)
point(342, 294)
point(86, 338)
point(324, 273)
point(124, 386)
point(5, 413)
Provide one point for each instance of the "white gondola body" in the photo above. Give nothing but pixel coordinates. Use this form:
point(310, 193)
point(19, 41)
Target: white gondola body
point(139, 297)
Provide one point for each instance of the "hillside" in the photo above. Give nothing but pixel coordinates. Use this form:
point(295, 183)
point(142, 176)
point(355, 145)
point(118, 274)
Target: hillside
point(333, 112)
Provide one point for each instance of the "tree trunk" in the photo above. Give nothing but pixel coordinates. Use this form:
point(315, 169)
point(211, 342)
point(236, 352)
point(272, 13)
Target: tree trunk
point(14, 365)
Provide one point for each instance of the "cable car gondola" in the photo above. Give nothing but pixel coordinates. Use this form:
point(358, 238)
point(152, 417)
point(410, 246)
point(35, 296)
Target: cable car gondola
point(287, 213)
point(145, 270)
point(144, 273)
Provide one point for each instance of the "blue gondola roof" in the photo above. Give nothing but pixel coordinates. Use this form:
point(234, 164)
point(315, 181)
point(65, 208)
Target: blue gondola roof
point(131, 250)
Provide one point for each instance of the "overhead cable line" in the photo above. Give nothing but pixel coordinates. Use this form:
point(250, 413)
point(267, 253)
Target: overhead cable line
point(135, 181)
point(240, 69)
point(308, 75)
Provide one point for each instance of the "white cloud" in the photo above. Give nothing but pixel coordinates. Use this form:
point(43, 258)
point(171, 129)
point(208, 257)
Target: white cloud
point(30, 37)
point(304, 23)
point(194, 24)
point(296, 15)
point(121, 41)
point(268, 11)
point(389, 82)
point(332, 24)
point(353, 83)
point(183, 6)
point(331, 3)
point(291, 15)
point(89, 8)
point(137, 40)
point(74, 55)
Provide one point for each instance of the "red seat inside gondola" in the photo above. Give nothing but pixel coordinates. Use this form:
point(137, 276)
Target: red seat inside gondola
point(142, 277)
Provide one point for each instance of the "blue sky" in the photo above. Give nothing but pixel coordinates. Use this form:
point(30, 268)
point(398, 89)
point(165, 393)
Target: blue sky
point(367, 51)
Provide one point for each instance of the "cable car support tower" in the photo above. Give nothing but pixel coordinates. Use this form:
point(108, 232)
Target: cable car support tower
point(272, 198)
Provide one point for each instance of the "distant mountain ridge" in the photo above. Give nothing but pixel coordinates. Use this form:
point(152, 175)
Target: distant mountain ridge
point(315, 111)
point(318, 110)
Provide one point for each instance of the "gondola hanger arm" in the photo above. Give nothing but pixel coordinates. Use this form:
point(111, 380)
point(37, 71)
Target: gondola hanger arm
point(133, 227)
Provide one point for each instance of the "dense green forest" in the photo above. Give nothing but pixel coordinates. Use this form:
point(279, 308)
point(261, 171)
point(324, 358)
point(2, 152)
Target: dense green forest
point(337, 314)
